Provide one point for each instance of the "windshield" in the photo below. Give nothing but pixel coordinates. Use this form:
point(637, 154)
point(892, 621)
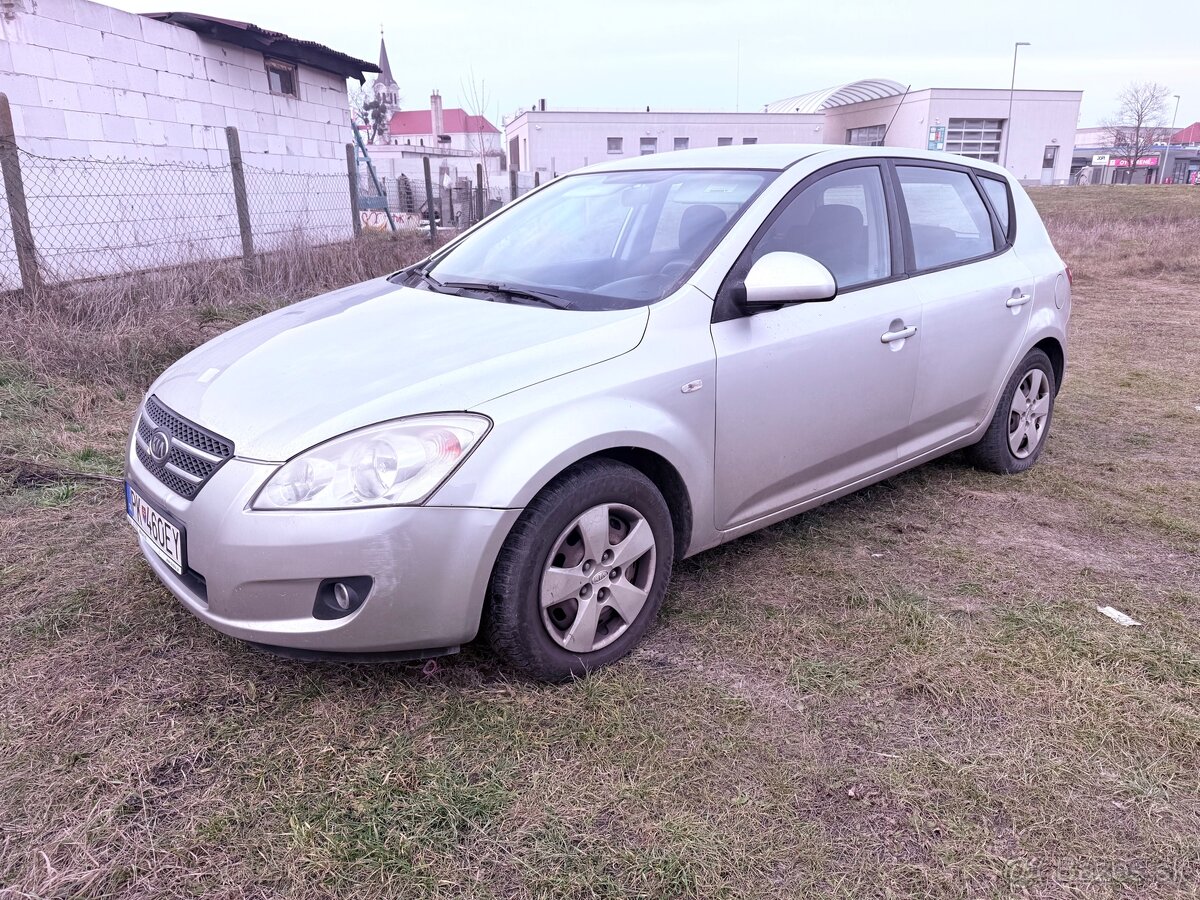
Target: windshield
point(612, 240)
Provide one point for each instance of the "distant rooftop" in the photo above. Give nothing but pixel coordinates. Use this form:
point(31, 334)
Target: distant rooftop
point(1189, 135)
point(271, 43)
point(454, 121)
point(839, 95)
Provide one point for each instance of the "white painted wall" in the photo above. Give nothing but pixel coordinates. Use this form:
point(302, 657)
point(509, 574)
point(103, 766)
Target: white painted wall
point(561, 140)
point(1039, 118)
point(86, 80)
point(471, 142)
point(558, 141)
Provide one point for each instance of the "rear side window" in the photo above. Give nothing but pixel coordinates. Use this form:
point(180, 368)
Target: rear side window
point(997, 192)
point(947, 217)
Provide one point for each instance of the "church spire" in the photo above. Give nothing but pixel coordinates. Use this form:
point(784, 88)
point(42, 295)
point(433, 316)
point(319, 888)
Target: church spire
point(385, 74)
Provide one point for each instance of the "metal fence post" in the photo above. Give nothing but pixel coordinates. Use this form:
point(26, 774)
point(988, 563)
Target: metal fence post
point(352, 174)
point(478, 192)
point(429, 202)
point(240, 200)
point(18, 212)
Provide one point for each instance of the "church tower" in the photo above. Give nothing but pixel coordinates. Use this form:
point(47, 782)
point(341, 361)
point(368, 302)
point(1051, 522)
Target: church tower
point(385, 85)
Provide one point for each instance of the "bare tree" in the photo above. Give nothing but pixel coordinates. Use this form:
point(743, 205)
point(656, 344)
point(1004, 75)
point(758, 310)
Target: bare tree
point(477, 99)
point(372, 110)
point(1140, 122)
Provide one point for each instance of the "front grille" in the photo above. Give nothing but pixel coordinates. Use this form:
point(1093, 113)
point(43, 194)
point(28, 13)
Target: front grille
point(194, 455)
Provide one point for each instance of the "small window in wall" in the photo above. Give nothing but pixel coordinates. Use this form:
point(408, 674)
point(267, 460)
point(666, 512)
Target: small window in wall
point(976, 138)
point(281, 78)
point(997, 192)
point(616, 145)
point(681, 143)
point(946, 216)
point(649, 145)
point(724, 142)
point(752, 140)
point(870, 136)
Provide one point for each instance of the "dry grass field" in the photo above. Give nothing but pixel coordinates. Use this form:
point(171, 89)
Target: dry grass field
point(905, 693)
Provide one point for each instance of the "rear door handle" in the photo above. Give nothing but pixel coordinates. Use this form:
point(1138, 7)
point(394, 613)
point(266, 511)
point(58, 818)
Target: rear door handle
point(888, 336)
point(1019, 300)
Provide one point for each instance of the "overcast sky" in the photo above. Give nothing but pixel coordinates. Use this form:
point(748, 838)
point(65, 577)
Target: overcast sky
point(684, 53)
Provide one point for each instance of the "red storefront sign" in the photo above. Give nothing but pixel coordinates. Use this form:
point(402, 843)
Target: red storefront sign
point(1143, 162)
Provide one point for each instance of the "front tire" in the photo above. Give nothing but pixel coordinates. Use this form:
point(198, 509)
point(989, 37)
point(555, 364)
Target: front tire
point(1021, 423)
point(582, 574)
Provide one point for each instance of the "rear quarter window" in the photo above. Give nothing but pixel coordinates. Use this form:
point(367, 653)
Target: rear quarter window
point(997, 192)
point(947, 218)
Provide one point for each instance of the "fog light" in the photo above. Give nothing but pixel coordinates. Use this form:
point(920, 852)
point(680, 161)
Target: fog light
point(344, 596)
point(338, 597)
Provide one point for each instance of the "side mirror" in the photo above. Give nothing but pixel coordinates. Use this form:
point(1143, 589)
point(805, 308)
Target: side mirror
point(782, 278)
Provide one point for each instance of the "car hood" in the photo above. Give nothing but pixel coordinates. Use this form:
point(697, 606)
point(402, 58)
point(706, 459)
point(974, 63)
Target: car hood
point(375, 351)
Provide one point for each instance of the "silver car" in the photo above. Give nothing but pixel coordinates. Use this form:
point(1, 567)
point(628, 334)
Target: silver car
point(522, 434)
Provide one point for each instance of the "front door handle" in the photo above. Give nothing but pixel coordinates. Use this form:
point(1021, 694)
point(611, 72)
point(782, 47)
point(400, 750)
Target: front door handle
point(888, 336)
point(1019, 300)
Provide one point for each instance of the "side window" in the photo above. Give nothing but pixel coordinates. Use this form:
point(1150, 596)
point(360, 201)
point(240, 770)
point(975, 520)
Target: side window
point(839, 220)
point(947, 217)
point(997, 192)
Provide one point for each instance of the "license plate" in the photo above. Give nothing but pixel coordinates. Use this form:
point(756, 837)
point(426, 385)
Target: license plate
point(164, 538)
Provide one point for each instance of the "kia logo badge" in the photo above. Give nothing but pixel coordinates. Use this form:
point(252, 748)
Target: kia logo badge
point(160, 446)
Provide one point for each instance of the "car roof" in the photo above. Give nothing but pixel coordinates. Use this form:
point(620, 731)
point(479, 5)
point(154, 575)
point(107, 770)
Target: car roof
point(775, 157)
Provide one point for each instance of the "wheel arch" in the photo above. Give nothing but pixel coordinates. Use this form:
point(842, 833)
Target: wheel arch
point(1053, 348)
point(666, 478)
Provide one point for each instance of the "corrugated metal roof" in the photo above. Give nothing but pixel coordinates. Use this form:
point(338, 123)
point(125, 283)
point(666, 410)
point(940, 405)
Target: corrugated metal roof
point(841, 95)
point(271, 43)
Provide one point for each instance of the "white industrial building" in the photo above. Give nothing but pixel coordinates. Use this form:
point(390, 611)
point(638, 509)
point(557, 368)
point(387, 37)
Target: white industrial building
point(1029, 132)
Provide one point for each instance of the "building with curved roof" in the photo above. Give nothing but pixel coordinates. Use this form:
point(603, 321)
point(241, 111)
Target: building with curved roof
point(1024, 130)
point(839, 95)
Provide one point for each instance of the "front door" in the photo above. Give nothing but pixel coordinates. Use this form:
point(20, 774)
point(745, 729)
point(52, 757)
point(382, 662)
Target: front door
point(814, 396)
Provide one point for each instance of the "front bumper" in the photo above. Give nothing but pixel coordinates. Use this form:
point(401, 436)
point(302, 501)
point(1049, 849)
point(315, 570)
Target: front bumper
point(258, 571)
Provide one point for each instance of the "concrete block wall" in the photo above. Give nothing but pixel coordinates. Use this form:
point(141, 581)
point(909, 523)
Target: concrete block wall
point(85, 80)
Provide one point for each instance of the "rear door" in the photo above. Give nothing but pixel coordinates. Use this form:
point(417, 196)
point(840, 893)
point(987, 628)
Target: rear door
point(976, 295)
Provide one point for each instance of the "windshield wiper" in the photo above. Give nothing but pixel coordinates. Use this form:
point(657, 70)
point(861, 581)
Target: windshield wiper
point(515, 293)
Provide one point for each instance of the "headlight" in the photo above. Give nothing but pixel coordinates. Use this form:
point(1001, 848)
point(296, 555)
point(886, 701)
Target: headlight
point(393, 464)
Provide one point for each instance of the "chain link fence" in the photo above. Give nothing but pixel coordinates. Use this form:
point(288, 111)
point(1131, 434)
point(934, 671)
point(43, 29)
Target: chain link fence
point(70, 219)
point(88, 218)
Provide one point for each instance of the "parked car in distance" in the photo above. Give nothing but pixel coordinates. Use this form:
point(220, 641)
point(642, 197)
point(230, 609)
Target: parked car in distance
point(523, 434)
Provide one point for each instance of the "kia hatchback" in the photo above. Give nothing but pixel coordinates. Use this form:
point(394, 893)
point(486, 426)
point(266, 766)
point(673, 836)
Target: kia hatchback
point(522, 434)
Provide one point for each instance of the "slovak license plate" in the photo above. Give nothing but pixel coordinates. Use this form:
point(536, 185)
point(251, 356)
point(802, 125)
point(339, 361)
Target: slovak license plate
point(164, 538)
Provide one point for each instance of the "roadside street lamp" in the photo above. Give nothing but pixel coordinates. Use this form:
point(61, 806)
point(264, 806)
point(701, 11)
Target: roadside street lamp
point(1011, 87)
point(1162, 163)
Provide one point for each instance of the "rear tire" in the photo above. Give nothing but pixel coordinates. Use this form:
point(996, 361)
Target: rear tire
point(582, 574)
point(1021, 424)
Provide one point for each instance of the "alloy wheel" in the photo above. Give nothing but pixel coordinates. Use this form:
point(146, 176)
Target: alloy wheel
point(1029, 413)
point(598, 577)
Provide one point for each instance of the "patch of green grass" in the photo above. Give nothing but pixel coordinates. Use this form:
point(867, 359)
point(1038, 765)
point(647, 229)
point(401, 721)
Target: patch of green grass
point(815, 676)
point(54, 617)
point(57, 495)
